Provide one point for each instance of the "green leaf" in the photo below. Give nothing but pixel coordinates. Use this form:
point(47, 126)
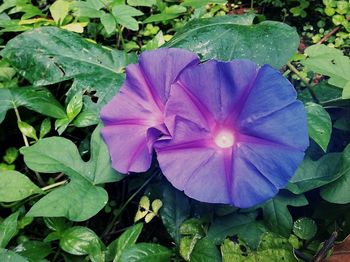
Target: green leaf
point(146, 252)
point(330, 62)
point(187, 244)
point(313, 174)
point(45, 127)
point(34, 250)
point(305, 228)
point(124, 15)
point(205, 250)
point(74, 106)
point(57, 154)
point(228, 225)
point(200, 3)
point(8, 229)
point(271, 248)
point(148, 3)
point(175, 210)
point(10, 256)
point(109, 23)
point(37, 99)
point(338, 191)
point(276, 213)
point(11, 155)
point(126, 240)
point(15, 186)
point(59, 10)
point(27, 130)
point(82, 241)
point(319, 124)
point(235, 37)
point(53, 55)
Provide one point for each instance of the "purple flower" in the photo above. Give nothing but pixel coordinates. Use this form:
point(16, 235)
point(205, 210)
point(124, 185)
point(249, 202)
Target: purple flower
point(237, 136)
point(134, 118)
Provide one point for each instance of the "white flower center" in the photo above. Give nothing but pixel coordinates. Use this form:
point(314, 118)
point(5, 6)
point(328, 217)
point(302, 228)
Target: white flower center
point(224, 139)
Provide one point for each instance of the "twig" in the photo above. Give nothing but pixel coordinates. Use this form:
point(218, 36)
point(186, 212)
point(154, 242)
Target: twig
point(304, 80)
point(54, 185)
point(325, 38)
point(328, 244)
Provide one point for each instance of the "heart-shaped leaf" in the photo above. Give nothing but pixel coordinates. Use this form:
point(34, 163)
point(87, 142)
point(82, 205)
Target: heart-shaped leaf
point(82, 198)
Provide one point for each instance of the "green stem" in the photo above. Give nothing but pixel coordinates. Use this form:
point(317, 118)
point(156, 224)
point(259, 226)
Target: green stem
point(304, 80)
point(54, 185)
point(26, 143)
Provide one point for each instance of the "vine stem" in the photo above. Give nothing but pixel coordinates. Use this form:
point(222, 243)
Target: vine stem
point(304, 80)
point(26, 143)
point(54, 185)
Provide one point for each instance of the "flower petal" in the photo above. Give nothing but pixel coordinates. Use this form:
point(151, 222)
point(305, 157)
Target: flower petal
point(269, 165)
point(191, 164)
point(139, 106)
point(271, 111)
point(210, 90)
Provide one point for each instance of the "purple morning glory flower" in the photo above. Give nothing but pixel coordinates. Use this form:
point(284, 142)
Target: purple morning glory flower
point(134, 118)
point(238, 133)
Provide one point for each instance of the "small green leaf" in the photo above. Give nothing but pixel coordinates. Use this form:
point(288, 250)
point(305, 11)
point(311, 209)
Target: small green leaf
point(74, 106)
point(82, 241)
point(146, 252)
point(192, 226)
point(156, 205)
point(124, 15)
point(126, 240)
point(59, 10)
point(11, 155)
point(205, 250)
point(319, 124)
point(15, 186)
point(109, 23)
point(305, 228)
point(45, 127)
point(8, 229)
point(187, 244)
point(27, 130)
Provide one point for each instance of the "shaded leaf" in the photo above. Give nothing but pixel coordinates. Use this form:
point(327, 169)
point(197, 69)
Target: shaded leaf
point(265, 43)
point(34, 98)
point(338, 191)
point(276, 213)
point(175, 210)
point(313, 174)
